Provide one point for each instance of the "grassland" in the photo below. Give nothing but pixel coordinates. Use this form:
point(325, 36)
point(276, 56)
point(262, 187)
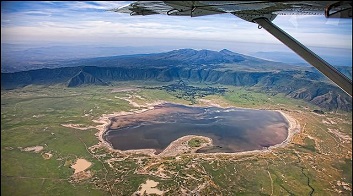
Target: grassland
point(317, 162)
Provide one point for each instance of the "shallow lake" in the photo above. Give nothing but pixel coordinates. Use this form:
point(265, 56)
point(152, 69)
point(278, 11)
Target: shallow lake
point(231, 129)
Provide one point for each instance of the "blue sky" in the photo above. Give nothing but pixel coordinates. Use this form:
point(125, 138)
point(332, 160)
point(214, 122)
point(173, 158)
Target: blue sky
point(88, 23)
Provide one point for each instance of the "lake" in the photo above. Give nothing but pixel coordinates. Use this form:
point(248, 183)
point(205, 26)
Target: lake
point(231, 129)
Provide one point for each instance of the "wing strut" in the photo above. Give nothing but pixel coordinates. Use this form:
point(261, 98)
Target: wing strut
point(328, 70)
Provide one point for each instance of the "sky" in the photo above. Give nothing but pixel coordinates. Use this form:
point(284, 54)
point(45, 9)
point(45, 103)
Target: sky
point(89, 23)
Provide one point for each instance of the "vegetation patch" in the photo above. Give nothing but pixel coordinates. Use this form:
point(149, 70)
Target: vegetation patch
point(196, 142)
point(190, 93)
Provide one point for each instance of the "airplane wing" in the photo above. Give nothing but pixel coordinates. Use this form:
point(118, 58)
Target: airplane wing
point(262, 13)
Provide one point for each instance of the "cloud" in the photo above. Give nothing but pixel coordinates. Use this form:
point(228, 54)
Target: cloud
point(105, 30)
point(78, 22)
point(99, 5)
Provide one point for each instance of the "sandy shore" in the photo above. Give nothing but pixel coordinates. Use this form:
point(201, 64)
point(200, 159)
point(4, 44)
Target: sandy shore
point(180, 146)
point(294, 128)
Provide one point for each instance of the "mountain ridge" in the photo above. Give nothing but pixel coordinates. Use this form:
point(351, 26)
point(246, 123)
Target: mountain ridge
point(320, 93)
point(203, 66)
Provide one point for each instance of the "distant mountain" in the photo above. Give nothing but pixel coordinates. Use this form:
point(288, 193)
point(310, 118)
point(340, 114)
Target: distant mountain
point(181, 57)
point(191, 56)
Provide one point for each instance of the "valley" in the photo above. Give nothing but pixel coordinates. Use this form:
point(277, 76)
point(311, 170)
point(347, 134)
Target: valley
point(66, 122)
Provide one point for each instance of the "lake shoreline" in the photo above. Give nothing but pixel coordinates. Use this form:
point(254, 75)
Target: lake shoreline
point(179, 146)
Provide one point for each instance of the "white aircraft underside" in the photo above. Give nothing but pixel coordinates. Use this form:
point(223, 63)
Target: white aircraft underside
point(262, 13)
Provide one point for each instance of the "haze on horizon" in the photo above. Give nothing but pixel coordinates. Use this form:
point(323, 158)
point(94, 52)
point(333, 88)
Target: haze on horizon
point(43, 24)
